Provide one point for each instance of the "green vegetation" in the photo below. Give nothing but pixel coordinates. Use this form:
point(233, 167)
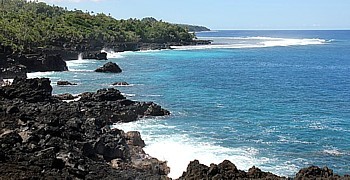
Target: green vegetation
point(193, 28)
point(30, 25)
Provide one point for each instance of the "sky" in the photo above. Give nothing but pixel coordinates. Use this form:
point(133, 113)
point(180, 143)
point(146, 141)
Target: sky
point(227, 14)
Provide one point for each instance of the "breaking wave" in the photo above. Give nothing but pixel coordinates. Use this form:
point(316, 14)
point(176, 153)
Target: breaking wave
point(253, 42)
point(178, 149)
point(112, 54)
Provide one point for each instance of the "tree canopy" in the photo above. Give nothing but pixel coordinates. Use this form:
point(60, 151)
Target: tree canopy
point(29, 25)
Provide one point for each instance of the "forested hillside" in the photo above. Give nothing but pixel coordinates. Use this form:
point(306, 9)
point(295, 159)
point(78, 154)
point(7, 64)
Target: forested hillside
point(194, 28)
point(31, 25)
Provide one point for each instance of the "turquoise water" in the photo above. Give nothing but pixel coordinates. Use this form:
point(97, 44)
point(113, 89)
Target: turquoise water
point(279, 100)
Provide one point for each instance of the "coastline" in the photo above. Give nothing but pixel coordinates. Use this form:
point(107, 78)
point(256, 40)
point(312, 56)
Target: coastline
point(58, 140)
point(312, 171)
point(41, 60)
point(267, 102)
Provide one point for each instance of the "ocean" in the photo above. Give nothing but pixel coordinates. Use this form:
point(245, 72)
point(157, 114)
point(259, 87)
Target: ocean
point(279, 100)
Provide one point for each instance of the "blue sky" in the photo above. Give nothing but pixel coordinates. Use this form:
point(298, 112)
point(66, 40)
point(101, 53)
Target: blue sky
point(227, 14)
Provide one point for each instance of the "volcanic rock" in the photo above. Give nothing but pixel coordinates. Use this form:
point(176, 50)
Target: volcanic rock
point(314, 172)
point(65, 83)
point(225, 170)
point(123, 83)
point(11, 72)
point(101, 56)
point(134, 138)
point(109, 68)
point(43, 137)
point(41, 63)
point(31, 90)
point(65, 96)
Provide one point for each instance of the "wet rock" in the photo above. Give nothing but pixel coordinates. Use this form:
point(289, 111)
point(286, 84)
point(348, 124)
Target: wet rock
point(103, 95)
point(101, 56)
point(65, 96)
point(122, 83)
point(109, 68)
point(225, 170)
point(155, 110)
point(195, 170)
point(65, 83)
point(134, 138)
point(314, 172)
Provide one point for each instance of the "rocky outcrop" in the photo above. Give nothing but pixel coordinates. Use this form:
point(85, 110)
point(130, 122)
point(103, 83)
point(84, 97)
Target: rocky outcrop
point(98, 56)
point(314, 172)
point(227, 170)
point(41, 63)
point(65, 83)
point(122, 83)
point(43, 137)
point(17, 65)
point(109, 68)
point(11, 72)
point(223, 171)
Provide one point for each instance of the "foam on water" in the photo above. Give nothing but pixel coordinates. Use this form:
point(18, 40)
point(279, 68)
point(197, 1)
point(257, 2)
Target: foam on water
point(252, 42)
point(39, 74)
point(77, 63)
point(333, 152)
point(280, 109)
point(128, 95)
point(113, 54)
point(178, 149)
point(130, 85)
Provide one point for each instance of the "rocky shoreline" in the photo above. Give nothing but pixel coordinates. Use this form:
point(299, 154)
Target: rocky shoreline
point(44, 137)
point(14, 64)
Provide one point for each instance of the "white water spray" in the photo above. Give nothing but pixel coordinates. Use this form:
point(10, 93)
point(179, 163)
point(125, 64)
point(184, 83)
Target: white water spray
point(80, 56)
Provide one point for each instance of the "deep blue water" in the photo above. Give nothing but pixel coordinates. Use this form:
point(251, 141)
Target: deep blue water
point(279, 100)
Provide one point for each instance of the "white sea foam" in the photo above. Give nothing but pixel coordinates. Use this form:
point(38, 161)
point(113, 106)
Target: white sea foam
point(79, 70)
point(76, 99)
point(253, 42)
point(80, 56)
point(128, 95)
point(39, 74)
point(151, 95)
point(178, 149)
point(333, 152)
point(112, 54)
point(129, 85)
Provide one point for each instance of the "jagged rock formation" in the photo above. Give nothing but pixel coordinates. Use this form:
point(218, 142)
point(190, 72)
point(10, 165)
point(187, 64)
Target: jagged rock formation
point(43, 137)
point(223, 171)
point(227, 171)
point(17, 65)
